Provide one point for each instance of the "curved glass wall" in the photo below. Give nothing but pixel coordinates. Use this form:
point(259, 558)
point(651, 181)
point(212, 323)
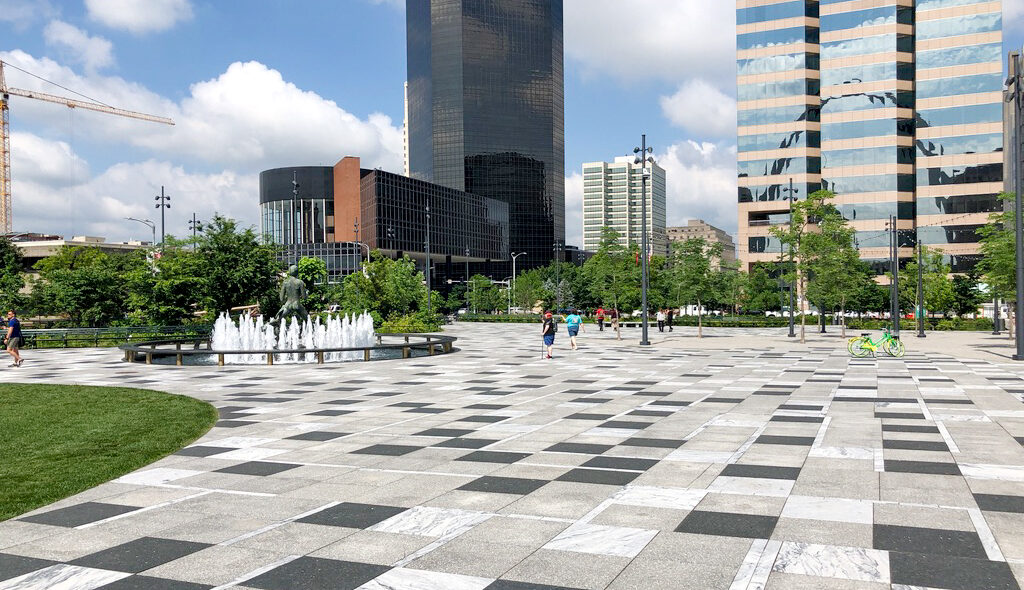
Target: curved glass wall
point(297, 205)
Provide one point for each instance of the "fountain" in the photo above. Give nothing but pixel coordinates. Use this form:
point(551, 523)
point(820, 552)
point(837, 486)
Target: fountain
point(252, 334)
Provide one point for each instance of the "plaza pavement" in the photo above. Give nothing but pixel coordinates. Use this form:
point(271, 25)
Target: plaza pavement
point(740, 461)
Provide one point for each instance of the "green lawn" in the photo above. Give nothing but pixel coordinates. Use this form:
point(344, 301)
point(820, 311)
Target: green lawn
point(58, 440)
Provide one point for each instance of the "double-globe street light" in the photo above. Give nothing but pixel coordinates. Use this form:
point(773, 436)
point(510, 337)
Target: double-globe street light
point(1015, 94)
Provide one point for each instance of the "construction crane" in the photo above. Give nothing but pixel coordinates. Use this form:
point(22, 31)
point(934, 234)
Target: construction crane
point(6, 212)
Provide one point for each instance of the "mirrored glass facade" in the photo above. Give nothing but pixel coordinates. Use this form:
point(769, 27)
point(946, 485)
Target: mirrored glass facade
point(901, 115)
point(486, 109)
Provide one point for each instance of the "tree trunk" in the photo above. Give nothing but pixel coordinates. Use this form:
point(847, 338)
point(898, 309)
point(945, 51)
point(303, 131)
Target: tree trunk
point(700, 327)
point(803, 315)
point(842, 315)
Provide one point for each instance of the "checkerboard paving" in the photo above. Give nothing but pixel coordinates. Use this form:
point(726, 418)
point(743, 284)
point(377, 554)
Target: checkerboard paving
point(674, 466)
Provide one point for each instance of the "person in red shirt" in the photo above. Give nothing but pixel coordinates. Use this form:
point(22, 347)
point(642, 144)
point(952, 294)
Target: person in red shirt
point(600, 319)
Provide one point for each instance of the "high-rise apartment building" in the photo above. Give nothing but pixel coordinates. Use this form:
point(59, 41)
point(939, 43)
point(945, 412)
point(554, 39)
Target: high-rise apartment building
point(612, 198)
point(894, 105)
point(486, 109)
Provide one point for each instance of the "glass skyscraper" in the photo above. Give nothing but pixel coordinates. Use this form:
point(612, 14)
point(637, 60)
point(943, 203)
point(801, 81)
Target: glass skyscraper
point(894, 105)
point(486, 109)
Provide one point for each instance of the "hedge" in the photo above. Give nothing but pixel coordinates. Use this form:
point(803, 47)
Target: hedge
point(753, 321)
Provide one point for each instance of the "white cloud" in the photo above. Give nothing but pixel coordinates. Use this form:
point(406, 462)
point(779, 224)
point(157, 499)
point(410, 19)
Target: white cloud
point(1013, 11)
point(93, 52)
point(701, 180)
point(52, 163)
point(98, 206)
point(396, 4)
point(652, 39)
point(574, 209)
point(22, 14)
point(139, 16)
point(228, 129)
point(701, 109)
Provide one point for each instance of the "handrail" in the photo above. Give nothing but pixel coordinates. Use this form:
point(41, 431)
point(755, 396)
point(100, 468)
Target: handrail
point(149, 348)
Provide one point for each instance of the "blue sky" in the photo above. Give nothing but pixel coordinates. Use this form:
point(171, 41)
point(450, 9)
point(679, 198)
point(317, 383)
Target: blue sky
point(260, 84)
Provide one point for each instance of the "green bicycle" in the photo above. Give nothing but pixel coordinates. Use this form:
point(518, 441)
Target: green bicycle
point(863, 345)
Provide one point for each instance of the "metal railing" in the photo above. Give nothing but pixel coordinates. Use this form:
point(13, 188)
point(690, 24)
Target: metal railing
point(432, 343)
point(85, 337)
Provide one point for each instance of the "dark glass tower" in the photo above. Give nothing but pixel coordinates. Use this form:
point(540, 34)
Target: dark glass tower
point(486, 109)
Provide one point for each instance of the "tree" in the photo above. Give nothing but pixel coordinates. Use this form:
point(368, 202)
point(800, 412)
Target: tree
point(938, 288)
point(389, 289)
point(967, 296)
point(999, 256)
point(238, 268)
point(313, 272)
point(12, 281)
point(690, 268)
point(762, 290)
point(484, 296)
point(85, 284)
point(169, 288)
point(609, 272)
point(529, 289)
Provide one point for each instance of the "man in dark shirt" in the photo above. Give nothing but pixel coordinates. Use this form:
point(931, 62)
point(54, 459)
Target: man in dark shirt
point(13, 338)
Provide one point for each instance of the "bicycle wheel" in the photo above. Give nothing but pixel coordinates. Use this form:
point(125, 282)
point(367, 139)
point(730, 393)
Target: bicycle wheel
point(895, 348)
point(854, 343)
point(857, 348)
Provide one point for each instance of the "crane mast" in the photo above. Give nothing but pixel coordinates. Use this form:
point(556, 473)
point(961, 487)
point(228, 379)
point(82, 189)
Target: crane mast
point(6, 210)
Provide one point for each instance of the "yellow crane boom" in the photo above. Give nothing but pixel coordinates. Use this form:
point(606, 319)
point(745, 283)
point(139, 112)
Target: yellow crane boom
point(6, 211)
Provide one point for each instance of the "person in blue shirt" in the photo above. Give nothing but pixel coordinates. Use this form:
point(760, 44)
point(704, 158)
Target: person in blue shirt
point(13, 338)
point(573, 323)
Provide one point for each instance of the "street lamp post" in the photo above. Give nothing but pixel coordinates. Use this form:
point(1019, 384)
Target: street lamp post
point(164, 203)
point(920, 289)
point(467, 278)
point(792, 284)
point(558, 274)
point(514, 255)
point(643, 159)
point(1016, 95)
point(294, 216)
point(427, 266)
point(152, 226)
point(195, 225)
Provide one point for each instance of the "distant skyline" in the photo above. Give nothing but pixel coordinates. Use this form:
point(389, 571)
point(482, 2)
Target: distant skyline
point(258, 85)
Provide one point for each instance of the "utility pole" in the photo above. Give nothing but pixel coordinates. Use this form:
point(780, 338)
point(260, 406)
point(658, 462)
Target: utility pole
point(1017, 135)
point(643, 159)
point(920, 288)
point(195, 225)
point(164, 202)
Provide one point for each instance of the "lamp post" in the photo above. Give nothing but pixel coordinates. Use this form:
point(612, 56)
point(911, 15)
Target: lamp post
point(294, 217)
point(920, 289)
point(427, 266)
point(164, 202)
point(558, 274)
point(514, 255)
point(467, 278)
point(195, 225)
point(792, 284)
point(1015, 94)
point(151, 225)
point(643, 159)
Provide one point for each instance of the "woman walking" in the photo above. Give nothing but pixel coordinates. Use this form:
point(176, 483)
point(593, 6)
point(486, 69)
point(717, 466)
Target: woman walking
point(573, 323)
point(548, 332)
point(661, 320)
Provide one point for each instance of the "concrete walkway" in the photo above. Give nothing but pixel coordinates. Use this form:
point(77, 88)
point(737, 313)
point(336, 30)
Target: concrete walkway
point(740, 461)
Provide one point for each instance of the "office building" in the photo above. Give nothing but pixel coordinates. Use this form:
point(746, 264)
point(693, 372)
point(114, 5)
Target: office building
point(612, 193)
point(698, 228)
point(894, 105)
point(485, 100)
point(340, 213)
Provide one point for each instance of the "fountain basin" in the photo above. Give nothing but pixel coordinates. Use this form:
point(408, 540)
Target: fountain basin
point(184, 352)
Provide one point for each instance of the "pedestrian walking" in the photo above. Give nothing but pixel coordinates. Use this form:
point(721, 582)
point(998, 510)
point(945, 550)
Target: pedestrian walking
point(670, 316)
point(573, 323)
point(600, 319)
point(661, 319)
point(615, 323)
point(548, 330)
point(13, 338)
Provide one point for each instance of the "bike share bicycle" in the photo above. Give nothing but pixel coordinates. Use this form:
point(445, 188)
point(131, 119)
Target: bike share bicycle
point(862, 346)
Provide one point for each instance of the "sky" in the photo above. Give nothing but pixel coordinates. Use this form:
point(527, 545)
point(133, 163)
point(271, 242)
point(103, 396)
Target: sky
point(259, 84)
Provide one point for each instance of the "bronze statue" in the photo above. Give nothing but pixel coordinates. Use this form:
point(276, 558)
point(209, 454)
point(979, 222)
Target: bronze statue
point(293, 291)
